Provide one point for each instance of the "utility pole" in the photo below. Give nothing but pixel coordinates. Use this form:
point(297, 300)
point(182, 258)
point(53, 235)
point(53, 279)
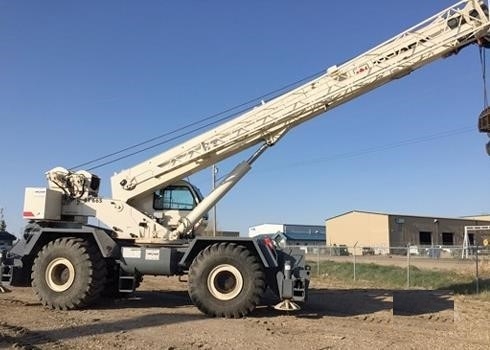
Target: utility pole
point(214, 171)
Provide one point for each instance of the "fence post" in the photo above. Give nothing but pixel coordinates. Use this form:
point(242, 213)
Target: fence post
point(354, 255)
point(408, 266)
point(318, 261)
point(477, 272)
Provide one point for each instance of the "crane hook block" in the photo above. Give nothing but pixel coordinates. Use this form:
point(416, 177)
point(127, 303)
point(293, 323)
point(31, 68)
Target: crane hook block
point(484, 120)
point(484, 41)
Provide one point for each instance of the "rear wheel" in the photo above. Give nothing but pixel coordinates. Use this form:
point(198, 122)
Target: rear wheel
point(226, 280)
point(68, 273)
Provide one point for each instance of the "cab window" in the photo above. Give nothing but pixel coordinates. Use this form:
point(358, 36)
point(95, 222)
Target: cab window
point(173, 198)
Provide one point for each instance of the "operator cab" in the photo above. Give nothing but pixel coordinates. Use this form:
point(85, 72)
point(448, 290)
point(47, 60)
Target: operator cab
point(181, 196)
point(171, 203)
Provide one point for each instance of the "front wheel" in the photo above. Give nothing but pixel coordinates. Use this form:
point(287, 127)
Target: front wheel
point(68, 273)
point(226, 280)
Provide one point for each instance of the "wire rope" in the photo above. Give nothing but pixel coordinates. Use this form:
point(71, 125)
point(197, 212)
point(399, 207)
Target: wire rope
point(180, 132)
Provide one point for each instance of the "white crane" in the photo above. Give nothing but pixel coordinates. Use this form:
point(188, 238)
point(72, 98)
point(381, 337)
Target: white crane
point(154, 216)
point(439, 36)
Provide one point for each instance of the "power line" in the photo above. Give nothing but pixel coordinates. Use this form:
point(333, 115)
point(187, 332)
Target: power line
point(358, 153)
point(180, 132)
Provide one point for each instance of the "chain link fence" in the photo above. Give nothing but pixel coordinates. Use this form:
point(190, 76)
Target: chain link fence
point(464, 270)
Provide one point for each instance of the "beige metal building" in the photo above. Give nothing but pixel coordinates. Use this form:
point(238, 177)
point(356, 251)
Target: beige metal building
point(383, 230)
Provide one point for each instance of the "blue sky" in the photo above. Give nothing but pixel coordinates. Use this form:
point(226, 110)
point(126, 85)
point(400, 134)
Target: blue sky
point(80, 80)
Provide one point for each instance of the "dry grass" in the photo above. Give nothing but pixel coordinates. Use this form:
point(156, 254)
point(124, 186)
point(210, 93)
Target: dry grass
point(394, 277)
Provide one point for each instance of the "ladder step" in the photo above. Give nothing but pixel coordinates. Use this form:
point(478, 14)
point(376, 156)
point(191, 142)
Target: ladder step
point(126, 284)
point(6, 275)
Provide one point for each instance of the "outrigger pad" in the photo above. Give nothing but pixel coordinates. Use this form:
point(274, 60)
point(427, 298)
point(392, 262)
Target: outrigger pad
point(287, 305)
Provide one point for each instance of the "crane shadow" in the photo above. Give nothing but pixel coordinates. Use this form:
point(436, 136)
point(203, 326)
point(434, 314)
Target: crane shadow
point(39, 338)
point(419, 302)
point(146, 299)
point(372, 303)
point(335, 302)
point(321, 302)
point(379, 305)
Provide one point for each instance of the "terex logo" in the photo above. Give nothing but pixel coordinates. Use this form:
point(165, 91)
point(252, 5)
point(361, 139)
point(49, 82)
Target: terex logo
point(383, 59)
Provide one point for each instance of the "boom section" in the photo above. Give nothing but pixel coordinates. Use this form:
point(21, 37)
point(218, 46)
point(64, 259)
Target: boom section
point(443, 34)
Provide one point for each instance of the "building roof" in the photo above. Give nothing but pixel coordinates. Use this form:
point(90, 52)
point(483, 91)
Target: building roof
point(285, 225)
point(405, 215)
point(292, 236)
point(296, 236)
point(295, 232)
point(5, 236)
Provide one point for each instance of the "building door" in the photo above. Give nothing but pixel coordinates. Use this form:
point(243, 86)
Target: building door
point(447, 238)
point(425, 238)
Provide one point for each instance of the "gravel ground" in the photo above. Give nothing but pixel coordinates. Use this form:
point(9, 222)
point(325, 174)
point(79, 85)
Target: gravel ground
point(161, 316)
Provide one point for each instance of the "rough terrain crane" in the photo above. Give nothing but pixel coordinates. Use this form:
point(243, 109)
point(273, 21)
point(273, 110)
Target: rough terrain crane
point(154, 220)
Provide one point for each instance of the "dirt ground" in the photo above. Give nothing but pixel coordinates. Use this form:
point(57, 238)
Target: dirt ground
point(161, 316)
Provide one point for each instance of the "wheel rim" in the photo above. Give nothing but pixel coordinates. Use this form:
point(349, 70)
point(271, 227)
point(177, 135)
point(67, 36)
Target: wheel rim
point(60, 274)
point(225, 282)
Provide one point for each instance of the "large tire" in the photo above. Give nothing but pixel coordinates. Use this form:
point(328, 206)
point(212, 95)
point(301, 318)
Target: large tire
point(68, 273)
point(226, 280)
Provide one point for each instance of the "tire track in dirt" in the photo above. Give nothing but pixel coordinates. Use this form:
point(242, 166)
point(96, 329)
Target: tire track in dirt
point(19, 337)
point(18, 302)
point(374, 319)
